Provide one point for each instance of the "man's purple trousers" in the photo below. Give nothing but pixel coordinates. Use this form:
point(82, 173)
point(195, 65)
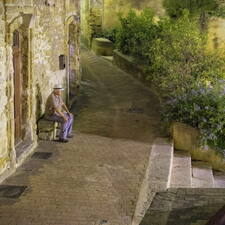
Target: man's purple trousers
point(65, 127)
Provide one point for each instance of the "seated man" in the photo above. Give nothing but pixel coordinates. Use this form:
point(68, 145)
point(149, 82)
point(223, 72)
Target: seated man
point(56, 110)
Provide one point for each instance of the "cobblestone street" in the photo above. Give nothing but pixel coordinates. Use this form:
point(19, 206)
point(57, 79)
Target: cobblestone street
point(95, 178)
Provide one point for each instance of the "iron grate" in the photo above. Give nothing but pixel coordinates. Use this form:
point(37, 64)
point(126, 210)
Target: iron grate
point(41, 155)
point(9, 191)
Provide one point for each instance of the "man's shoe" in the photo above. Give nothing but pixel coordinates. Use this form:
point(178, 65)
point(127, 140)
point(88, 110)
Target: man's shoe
point(63, 140)
point(70, 136)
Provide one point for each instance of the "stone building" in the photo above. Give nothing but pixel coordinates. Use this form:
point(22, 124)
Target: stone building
point(39, 47)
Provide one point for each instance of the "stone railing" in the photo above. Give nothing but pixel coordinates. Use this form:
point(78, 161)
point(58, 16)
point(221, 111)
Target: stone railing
point(128, 64)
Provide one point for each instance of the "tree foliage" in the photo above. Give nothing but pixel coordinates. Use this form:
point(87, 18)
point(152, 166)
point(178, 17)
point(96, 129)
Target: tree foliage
point(175, 8)
point(136, 33)
point(181, 69)
point(179, 57)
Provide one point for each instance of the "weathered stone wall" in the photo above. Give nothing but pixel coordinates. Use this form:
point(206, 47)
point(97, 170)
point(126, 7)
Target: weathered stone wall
point(92, 19)
point(184, 206)
point(48, 45)
point(4, 159)
point(97, 15)
point(216, 29)
point(43, 27)
point(113, 7)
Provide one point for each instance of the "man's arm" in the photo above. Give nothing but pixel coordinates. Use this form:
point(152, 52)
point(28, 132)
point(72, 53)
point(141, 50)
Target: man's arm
point(61, 114)
point(65, 108)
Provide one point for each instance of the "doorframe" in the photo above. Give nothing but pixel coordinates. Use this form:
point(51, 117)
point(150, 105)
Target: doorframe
point(17, 79)
point(23, 23)
point(71, 19)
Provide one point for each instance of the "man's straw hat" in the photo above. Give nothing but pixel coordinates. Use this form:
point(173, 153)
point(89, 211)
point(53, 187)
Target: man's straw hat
point(58, 86)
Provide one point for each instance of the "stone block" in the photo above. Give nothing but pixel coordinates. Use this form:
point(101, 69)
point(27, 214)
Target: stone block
point(161, 164)
point(102, 46)
point(181, 172)
point(185, 137)
point(128, 64)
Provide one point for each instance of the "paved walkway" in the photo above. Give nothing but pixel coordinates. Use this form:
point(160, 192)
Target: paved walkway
point(95, 178)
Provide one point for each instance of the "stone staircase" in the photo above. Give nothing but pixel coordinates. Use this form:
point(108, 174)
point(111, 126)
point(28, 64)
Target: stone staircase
point(178, 190)
point(194, 174)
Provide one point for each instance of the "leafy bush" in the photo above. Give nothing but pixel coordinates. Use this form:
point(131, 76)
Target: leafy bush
point(180, 69)
point(179, 57)
point(219, 12)
point(136, 33)
point(175, 8)
point(109, 34)
point(202, 107)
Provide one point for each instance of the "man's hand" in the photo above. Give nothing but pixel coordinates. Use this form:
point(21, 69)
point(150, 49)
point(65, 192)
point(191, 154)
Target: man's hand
point(65, 119)
point(69, 114)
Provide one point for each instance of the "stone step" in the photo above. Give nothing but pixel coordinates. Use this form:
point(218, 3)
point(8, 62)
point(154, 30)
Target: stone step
point(219, 179)
point(181, 171)
point(202, 175)
point(157, 177)
point(161, 163)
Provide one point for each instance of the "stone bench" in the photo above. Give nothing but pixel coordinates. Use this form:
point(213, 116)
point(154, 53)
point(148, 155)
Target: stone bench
point(47, 130)
point(102, 46)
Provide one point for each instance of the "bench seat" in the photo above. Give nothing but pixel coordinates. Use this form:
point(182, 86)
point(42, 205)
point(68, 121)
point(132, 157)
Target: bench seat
point(47, 130)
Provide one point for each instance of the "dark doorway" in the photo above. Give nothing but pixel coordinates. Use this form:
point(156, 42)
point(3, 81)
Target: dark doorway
point(72, 62)
point(72, 55)
point(17, 87)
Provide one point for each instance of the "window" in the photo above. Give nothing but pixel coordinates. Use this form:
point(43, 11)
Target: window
point(62, 62)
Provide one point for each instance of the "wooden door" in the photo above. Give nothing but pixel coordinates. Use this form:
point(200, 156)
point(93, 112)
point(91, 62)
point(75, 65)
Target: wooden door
point(17, 86)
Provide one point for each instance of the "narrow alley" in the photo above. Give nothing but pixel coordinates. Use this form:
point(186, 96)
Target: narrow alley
point(95, 178)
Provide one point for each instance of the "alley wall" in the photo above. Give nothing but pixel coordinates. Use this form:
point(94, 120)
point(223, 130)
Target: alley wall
point(42, 30)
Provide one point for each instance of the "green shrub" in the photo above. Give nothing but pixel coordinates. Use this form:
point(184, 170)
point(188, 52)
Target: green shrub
point(109, 34)
point(180, 69)
point(136, 33)
point(179, 57)
point(202, 107)
point(174, 8)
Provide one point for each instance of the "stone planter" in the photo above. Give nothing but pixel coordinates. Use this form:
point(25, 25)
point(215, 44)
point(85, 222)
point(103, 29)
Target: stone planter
point(185, 137)
point(102, 46)
point(188, 138)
